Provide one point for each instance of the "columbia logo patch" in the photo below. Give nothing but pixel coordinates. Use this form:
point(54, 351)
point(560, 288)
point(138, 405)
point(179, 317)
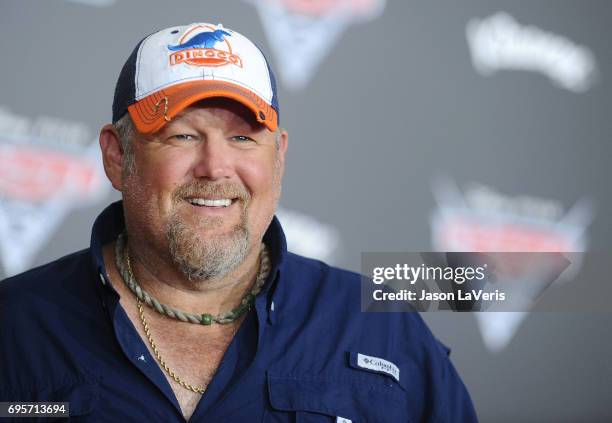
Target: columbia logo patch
point(379, 365)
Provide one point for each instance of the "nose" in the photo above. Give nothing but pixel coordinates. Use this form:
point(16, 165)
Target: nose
point(214, 159)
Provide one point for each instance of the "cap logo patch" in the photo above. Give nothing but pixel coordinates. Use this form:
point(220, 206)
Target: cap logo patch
point(204, 45)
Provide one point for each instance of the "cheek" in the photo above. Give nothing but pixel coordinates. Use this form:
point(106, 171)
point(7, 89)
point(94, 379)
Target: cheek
point(148, 192)
point(162, 173)
point(259, 176)
point(262, 181)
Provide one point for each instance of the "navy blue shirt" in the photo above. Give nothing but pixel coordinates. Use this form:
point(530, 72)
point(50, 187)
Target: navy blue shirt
point(305, 352)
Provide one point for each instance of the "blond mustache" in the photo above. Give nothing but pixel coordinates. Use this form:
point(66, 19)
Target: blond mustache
point(208, 189)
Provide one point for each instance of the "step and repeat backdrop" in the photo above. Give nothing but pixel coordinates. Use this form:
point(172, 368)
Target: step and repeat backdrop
point(476, 125)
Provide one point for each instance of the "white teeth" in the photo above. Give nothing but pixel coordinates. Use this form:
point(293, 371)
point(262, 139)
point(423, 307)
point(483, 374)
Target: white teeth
point(225, 202)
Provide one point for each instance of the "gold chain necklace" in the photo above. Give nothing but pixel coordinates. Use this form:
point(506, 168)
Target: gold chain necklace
point(162, 362)
point(263, 272)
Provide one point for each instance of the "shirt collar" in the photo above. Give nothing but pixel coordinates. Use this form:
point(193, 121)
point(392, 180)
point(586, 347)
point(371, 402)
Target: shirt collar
point(110, 223)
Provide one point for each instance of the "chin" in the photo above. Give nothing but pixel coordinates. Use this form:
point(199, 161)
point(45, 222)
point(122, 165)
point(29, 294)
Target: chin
point(201, 257)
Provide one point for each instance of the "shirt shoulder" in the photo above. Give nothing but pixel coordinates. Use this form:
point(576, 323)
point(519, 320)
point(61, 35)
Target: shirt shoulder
point(36, 287)
point(316, 286)
point(316, 272)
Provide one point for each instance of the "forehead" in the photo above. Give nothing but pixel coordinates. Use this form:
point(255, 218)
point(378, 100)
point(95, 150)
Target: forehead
point(220, 112)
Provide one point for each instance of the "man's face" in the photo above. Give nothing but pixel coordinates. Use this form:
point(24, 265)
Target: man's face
point(204, 188)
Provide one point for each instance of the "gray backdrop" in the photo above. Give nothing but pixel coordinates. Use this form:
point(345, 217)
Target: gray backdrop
point(393, 105)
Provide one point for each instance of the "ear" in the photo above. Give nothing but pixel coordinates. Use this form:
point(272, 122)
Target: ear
point(282, 149)
point(112, 155)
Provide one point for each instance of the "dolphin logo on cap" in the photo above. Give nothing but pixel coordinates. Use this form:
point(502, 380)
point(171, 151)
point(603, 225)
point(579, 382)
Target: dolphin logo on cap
point(202, 40)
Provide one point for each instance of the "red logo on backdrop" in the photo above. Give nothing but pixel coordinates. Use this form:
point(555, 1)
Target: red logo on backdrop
point(475, 235)
point(36, 175)
point(322, 7)
point(486, 221)
point(48, 167)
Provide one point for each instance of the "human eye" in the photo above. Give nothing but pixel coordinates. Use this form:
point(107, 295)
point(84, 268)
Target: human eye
point(242, 138)
point(183, 137)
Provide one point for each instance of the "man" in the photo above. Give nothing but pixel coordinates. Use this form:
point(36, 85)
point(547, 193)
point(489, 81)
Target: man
point(187, 305)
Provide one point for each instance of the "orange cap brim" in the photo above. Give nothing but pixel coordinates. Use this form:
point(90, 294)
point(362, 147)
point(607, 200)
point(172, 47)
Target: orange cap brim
point(151, 113)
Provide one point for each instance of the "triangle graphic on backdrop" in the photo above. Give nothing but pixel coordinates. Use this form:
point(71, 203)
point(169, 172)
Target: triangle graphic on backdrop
point(499, 328)
point(26, 226)
point(301, 40)
point(24, 229)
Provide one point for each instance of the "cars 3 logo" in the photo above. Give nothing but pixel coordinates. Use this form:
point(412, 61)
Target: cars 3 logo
point(39, 174)
point(48, 167)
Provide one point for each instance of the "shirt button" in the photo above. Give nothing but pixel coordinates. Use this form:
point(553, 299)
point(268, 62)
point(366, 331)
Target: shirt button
point(272, 306)
point(102, 279)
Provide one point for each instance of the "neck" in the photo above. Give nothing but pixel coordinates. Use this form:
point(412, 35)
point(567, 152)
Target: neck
point(166, 283)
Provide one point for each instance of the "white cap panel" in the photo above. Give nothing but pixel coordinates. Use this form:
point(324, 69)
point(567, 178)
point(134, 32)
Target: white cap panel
point(200, 51)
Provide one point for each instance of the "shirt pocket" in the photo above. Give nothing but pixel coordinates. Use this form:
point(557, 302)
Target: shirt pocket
point(81, 396)
point(318, 400)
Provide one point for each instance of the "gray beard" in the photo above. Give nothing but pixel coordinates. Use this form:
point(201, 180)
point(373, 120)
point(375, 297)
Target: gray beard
point(201, 259)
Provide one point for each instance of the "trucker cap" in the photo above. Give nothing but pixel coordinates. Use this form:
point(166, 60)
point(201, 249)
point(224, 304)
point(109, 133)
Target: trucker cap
point(175, 67)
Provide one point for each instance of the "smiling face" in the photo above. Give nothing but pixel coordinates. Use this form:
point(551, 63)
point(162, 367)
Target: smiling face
point(204, 188)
